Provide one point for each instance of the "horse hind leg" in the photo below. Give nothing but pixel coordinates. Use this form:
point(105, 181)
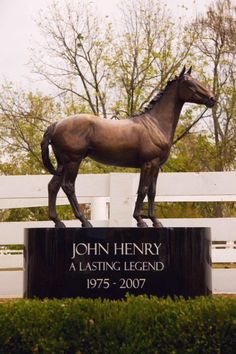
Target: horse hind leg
point(68, 186)
point(53, 188)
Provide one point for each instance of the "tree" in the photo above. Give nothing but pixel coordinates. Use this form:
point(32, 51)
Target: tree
point(112, 72)
point(215, 52)
point(75, 54)
point(149, 50)
point(24, 118)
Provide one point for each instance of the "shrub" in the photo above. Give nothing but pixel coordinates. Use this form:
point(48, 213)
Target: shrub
point(136, 325)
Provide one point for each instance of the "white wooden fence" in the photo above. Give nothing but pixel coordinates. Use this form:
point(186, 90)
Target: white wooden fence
point(112, 198)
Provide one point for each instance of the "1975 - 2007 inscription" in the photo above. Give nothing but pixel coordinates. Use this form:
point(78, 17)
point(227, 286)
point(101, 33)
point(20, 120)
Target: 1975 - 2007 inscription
point(122, 283)
point(127, 249)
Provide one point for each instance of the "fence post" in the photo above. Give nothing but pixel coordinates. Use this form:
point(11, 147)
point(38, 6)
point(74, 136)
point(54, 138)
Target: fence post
point(122, 197)
point(99, 208)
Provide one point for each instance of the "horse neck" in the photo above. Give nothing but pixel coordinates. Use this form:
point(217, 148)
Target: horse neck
point(165, 113)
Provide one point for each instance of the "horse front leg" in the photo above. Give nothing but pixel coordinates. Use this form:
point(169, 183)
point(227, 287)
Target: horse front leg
point(142, 192)
point(53, 188)
point(151, 201)
point(68, 186)
point(146, 175)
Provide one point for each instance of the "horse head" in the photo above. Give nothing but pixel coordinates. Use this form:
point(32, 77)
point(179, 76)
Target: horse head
point(191, 90)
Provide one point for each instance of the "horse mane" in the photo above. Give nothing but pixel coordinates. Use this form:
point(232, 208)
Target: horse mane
point(155, 99)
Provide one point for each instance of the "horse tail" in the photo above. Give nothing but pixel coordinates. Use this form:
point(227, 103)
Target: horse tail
point(46, 141)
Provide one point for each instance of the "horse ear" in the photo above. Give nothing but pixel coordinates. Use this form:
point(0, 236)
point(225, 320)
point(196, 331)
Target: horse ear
point(182, 72)
point(189, 70)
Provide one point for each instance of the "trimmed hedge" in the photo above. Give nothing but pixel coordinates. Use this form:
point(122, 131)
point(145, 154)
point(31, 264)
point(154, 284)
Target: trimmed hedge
point(137, 325)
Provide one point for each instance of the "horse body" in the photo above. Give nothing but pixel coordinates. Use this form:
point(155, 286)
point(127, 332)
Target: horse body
point(142, 141)
point(86, 135)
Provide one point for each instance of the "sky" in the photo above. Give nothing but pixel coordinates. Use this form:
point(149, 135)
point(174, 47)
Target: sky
point(19, 32)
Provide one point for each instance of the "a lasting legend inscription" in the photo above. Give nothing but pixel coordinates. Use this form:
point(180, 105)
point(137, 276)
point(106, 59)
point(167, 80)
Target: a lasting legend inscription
point(128, 258)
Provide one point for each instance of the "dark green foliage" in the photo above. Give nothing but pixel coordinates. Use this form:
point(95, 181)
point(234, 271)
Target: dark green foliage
point(138, 325)
point(39, 213)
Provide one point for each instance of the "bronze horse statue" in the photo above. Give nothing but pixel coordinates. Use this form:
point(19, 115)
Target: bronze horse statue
point(142, 141)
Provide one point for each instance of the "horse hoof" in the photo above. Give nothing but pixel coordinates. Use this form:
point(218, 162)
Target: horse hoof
point(60, 225)
point(157, 224)
point(142, 224)
point(87, 224)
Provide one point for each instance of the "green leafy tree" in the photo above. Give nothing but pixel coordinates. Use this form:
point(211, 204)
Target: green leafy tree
point(215, 54)
point(24, 117)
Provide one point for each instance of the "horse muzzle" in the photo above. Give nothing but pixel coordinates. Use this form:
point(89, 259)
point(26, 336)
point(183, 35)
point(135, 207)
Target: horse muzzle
point(211, 102)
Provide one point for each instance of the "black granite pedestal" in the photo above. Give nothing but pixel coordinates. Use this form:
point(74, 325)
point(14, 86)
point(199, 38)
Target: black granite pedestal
point(111, 262)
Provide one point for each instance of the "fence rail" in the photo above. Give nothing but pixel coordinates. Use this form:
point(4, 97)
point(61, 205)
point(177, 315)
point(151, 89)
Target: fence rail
point(111, 198)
